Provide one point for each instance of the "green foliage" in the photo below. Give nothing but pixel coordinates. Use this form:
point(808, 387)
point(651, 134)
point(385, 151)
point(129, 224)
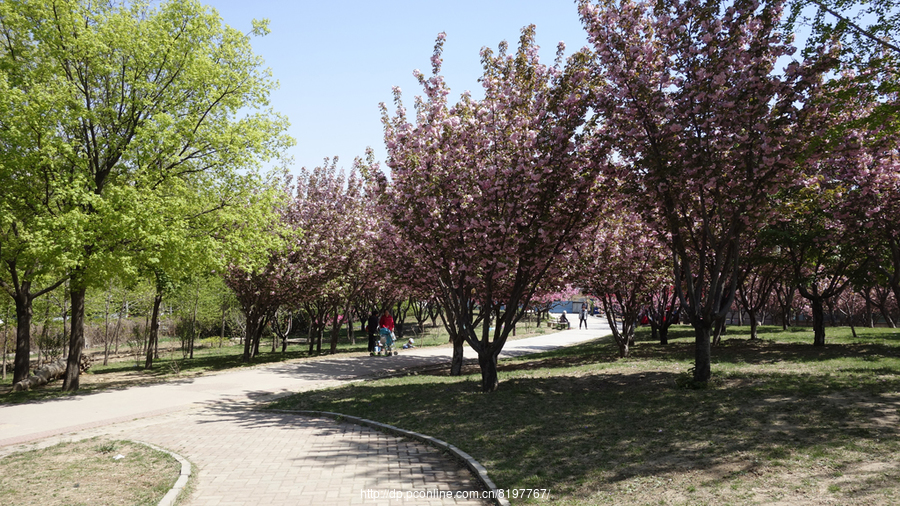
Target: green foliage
point(133, 128)
point(203, 299)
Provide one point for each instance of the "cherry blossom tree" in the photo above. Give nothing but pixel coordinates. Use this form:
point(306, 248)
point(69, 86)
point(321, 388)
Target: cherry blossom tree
point(841, 218)
point(822, 265)
point(336, 257)
point(706, 128)
point(488, 192)
point(623, 265)
point(259, 294)
point(864, 160)
point(857, 143)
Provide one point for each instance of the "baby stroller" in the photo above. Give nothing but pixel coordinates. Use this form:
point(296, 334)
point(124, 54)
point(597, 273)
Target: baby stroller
point(388, 338)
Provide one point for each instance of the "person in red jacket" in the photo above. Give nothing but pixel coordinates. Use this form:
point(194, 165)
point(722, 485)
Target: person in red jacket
point(386, 321)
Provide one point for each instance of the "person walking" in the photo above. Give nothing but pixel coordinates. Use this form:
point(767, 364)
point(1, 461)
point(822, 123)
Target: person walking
point(372, 329)
point(582, 318)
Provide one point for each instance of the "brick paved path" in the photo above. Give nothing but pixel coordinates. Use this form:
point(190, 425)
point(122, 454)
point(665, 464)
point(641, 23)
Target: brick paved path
point(244, 457)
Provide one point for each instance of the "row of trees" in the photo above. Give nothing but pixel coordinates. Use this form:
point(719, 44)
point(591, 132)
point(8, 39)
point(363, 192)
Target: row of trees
point(117, 319)
point(673, 164)
point(756, 181)
point(676, 162)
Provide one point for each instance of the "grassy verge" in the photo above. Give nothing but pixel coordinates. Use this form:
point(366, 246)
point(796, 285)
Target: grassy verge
point(782, 422)
point(89, 472)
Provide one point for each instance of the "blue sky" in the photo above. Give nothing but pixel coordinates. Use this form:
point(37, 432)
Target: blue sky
point(335, 61)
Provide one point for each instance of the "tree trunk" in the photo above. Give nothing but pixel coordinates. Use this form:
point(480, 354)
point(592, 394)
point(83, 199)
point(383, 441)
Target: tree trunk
point(50, 372)
point(621, 337)
point(118, 328)
point(488, 362)
point(76, 340)
point(146, 335)
point(106, 326)
point(65, 311)
point(719, 331)
point(257, 336)
point(320, 333)
point(311, 334)
point(194, 320)
point(753, 324)
point(153, 343)
point(335, 330)
point(248, 339)
point(456, 362)
point(5, 339)
point(624, 349)
point(23, 333)
point(869, 316)
point(818, 312)
point(702, 351)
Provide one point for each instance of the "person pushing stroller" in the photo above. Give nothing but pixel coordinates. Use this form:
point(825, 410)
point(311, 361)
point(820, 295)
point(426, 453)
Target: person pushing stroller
point(386, 330)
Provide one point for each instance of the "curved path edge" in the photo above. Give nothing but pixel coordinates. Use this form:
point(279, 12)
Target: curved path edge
point(473, 465)
point(172, 495)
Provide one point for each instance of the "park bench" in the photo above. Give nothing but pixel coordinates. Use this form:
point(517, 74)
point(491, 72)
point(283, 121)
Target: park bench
point(554, 323)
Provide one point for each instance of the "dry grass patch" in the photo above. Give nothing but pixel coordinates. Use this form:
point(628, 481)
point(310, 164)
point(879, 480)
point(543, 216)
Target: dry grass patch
point(89, 472)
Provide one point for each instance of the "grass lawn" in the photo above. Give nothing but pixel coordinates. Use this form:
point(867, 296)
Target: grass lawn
point(782, 422)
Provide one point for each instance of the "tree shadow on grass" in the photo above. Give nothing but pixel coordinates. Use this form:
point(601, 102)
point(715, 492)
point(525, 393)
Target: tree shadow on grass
point(562, 432)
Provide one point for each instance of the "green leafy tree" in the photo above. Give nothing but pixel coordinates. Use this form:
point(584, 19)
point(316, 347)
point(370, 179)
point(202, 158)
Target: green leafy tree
point(161, 103)
point(38, 241)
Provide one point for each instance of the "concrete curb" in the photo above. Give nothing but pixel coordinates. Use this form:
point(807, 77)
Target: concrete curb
point(472, 464)
point(172, 494)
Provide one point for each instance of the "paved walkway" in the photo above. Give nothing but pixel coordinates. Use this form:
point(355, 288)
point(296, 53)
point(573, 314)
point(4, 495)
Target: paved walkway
point(247, 457)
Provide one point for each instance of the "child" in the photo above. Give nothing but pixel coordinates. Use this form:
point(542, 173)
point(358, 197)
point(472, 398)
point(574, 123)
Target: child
point(409, 344)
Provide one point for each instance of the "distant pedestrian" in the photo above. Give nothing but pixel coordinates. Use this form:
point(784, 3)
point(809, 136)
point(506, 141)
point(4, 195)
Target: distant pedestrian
point(582, 318)
point(372, 329)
